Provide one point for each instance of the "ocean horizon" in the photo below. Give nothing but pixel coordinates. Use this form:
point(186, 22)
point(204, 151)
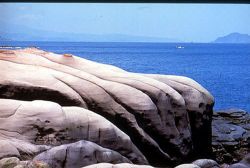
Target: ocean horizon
point(223, 69)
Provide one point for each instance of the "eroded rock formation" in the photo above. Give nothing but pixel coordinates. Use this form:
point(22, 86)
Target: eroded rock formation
point(49, 101)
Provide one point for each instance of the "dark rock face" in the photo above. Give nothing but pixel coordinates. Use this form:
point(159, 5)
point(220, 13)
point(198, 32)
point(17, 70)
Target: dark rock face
point(55, 100)
point(231, 135)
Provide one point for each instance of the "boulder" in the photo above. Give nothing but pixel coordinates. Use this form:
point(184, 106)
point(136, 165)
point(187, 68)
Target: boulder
point(187, 166)
point(39, 125)
point(157, 119)
point(9, 162)
point(79, 154)
point(206, 163)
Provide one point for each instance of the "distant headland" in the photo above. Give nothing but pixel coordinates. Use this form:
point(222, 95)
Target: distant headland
point(233, 38)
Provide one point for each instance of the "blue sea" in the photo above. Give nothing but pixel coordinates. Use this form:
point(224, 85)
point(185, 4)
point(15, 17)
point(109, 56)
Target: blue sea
point(224, 69)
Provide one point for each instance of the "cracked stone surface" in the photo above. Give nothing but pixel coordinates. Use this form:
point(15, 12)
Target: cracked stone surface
point(50, 100)
point(231, 135)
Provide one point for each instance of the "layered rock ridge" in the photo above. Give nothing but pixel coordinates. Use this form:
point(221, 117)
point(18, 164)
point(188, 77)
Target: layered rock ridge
point(51, 101)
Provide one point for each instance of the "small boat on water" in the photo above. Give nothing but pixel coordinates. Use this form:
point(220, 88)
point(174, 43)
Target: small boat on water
point(179, 47)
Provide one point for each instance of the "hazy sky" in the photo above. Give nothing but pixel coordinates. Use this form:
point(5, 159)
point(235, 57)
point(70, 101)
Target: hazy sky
point(187, 22)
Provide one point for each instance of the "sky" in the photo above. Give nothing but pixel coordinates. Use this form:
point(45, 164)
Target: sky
point(186, 22)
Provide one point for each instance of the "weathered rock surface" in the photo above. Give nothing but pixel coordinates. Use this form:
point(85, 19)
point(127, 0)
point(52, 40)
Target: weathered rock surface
point(155, 119)
point(200, 163)
point(206, 163)
point(39, 125)
point(231, 135)
point(9, 162)
point(79, 154)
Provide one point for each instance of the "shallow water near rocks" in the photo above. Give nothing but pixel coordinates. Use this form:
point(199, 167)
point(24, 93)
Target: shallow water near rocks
point(223, 69)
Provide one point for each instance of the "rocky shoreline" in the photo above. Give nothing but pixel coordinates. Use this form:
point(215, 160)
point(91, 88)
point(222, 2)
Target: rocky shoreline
point(62, 111)
point(231, 135)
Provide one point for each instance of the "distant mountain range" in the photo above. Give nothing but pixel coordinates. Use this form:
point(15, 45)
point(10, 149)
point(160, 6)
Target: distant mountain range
point(16, 32)
point(23, 33)
point(233, 38)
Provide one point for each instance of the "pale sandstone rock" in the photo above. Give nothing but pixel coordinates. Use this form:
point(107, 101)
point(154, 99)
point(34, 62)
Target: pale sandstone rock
point(7, 149)
point(40, 124)
point(169, 116)
point(187, 166)
point(81, 153)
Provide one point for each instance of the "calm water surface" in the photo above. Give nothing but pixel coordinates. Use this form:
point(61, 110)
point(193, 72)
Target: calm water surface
point(224, 69)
